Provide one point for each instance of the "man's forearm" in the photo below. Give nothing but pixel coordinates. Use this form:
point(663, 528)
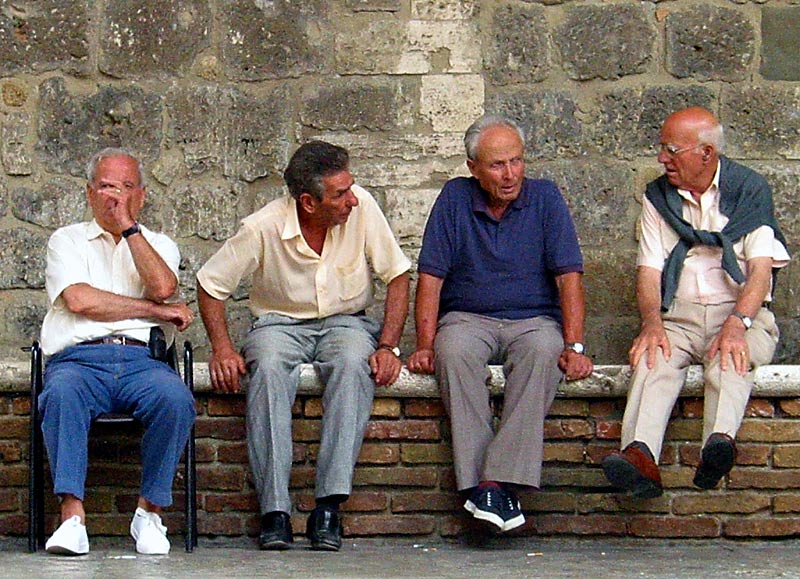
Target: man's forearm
point(158, 279)
point(395, 310)
point(212, 311)
point(103, 306)
point(426, 309)
point(573, 306)
point(648, 294)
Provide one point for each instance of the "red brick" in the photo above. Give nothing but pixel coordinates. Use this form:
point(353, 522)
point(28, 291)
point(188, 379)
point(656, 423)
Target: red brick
point(205, 451)
point(423, 409)
point(416, 453)
point(608, 429)
point(385, 408)
point(763, 527)
point(759, 408)
point(313, 408)
point(306, 430)
point(567, 407)
point(741, 478)
point(379, 453)
point(115, 475)
point(365, 501)
point(547, 501)
point(226, 406)
point(426, 501)
point(233, 452)
point(786, 504)
point(403, 430)
point(769, 430)
point(399, 476)
point(621, 503)
point(700, 503)
point(752, 454)
point(685, 429)
point(220, 524)
point(10, 451)
point(570, 452)
point(10, 500)
point(578, 525)
point(595, 453)
point(15, 426)
point(302, 477)
point(220, 428)
point(223, 478)
point(686, 527)
point(218, 503)
point(790, 407)
point(361, 525)
point(604, 408)
point(21, 405)
point(297, 407)
point(559, 429)
point(692, 408)
point(786, 456)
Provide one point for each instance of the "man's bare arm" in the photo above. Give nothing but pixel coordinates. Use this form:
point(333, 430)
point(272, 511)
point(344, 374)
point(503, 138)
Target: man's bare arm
point(385, 365)
point(426, 315)
point(226, 365)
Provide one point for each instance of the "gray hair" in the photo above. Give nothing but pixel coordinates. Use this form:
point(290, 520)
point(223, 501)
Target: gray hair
point(713, 135)
point(473, 134)
point(108, 152)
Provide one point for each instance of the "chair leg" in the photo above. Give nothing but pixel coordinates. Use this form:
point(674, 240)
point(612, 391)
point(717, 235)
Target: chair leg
point(35, 457)
point(190, 474)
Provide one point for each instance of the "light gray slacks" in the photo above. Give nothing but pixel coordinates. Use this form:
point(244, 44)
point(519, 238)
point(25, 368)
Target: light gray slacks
point(528, 349)
point(339, 347)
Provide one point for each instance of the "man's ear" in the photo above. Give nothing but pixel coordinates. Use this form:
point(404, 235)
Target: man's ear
point(307, 202)
point(471, 166)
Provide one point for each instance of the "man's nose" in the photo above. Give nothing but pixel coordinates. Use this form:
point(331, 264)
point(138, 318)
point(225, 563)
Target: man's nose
point(352, 200)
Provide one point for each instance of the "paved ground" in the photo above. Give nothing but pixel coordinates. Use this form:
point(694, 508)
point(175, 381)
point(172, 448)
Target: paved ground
point(550, 558)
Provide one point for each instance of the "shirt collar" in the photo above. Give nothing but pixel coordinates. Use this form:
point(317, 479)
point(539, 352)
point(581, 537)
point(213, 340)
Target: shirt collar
point(93, 230)
point(479, 198)
point(291, 225)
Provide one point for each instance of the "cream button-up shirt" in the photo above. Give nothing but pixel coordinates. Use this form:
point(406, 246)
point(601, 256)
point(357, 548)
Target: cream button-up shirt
point(290, 278)
point(702, 278)
point(85, 253)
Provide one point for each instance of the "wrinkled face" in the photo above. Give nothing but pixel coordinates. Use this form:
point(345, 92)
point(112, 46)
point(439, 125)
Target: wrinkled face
point(115, 178)
point(338, 199)
point(500, 166)
point(684, 157)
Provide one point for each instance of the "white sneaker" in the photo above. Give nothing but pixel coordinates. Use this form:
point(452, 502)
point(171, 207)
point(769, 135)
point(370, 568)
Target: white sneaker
point(69, 539)
point(148, 532)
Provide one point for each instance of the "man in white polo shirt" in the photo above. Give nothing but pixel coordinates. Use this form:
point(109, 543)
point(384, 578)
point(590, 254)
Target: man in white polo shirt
point(309, 255)
point(109, 281)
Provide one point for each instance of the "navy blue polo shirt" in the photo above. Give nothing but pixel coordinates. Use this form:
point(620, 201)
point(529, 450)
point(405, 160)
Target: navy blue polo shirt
point(502, 268)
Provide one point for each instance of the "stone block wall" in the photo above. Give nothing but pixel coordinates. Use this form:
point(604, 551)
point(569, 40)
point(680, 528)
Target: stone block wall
point(214, 95)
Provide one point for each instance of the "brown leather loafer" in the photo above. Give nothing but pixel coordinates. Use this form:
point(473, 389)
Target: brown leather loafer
point(716, 460)
point(634, 470)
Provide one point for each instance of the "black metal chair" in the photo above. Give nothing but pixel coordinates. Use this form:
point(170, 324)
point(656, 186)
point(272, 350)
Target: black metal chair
point(36, 535)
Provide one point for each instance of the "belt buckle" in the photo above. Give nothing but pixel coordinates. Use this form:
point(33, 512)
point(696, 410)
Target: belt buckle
point(119, 340)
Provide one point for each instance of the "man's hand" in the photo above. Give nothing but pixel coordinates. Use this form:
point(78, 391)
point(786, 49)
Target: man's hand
point(651, 337)
point(422, 361)
point(385, 367)
point(116, 201)
point(575, 366)
point(731, 343)
point(225, 367)
point(177, 313)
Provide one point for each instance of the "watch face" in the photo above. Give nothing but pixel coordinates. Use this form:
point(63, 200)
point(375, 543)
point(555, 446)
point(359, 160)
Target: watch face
point(576, 347)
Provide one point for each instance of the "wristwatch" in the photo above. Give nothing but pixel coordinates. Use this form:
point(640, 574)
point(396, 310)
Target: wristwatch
point(576, 347)
point(393, 349)
point(131, 230)
point(745, 319)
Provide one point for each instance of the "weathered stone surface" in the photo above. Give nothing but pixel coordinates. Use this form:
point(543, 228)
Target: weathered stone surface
point(52, 205)
point(780, 28)
point(761, 122)
point(600, 198)
point(22, 317)
point(22, 258)
point(373, 5)
point(451, 103)
point(3, 193)
point(518, 42)
point(788, 350)
point(72, 127)
point(784, 180)
point(379, 45)
point(606, 42)
point(245, 135)
point(710, 43)
point(407, 214)
point(207, 210)
point(548, 117)
point(630, 119)
point(14, 93)
point(40, 35)
point(438, 10)
point(603, 264)
point(13, 148)
point(351, 105)
point(264, 39)
point(143, 38)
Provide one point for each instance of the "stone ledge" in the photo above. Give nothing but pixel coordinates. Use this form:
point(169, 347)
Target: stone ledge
point(611, 381)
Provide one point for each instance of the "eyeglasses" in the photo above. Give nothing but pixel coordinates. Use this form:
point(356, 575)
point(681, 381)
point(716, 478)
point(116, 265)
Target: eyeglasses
point(673, 150)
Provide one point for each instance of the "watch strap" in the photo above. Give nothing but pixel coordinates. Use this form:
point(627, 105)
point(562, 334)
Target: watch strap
point(131, 230)
point(393, 349)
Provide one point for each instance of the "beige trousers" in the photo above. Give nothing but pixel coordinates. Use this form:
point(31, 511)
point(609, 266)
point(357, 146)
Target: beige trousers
point(653, 392)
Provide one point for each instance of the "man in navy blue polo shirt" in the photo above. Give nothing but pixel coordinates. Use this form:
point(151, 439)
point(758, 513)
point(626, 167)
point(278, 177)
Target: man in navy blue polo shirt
point(500, 282)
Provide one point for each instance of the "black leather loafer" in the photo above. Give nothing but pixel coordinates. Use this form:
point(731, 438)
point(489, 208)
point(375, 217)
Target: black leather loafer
point(276, 531)
point(324, 529)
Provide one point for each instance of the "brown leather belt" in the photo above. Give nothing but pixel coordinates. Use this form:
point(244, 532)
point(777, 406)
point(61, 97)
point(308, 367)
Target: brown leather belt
point(114, 339)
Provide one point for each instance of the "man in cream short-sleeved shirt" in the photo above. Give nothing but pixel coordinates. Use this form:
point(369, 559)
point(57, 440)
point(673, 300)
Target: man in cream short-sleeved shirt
point(309, 256)
point(707, 251)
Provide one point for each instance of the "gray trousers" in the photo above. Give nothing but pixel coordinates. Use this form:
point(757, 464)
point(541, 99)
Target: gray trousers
point(339, 348)
point(653, 392)
point(529, 350)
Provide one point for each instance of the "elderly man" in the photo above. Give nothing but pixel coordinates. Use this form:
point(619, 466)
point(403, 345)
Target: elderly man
point(708, 247)
point(500, 281)
point(307, 254)
point(108, 281)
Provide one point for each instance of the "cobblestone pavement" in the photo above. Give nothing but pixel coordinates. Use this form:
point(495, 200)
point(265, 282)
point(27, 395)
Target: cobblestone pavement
point(550, 558)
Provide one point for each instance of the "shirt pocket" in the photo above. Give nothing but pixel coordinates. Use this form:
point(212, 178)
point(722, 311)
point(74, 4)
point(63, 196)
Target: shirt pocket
point(353, 279)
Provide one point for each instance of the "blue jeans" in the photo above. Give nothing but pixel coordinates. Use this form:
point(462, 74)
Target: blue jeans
point(82, 382)
point(339, 346)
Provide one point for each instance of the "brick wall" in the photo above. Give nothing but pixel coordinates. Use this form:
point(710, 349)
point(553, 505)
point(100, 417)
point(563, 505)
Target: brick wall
point(404, 484)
